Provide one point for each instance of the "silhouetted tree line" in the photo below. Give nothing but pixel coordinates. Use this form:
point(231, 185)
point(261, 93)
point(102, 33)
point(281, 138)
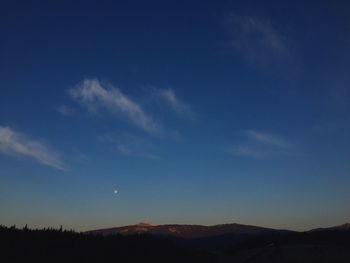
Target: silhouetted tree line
point(58, 245)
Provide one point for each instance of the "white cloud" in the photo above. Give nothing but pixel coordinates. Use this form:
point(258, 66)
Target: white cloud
point(14, 143)
point(94, 95)
point(257, 39)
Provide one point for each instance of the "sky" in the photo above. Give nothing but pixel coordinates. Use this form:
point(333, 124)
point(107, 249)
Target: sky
point(189, 112)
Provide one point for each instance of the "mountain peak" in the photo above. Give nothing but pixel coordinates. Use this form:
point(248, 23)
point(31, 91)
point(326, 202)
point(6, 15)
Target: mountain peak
point(142, 224)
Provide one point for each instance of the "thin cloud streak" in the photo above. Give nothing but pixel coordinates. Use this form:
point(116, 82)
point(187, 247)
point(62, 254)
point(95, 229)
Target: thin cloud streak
point(65, 110)
point(257, 39)
point(168, 96)
point(94, 95)
point(245, 151)
point(15, 144)
point(129, 145)
point(270, 139)
point(261, 145)
point(257, 151)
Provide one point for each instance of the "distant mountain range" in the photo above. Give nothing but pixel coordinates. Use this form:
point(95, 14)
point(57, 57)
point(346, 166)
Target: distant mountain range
point(225, 236)
point(185, 231)
point(198, 231)
point(345, 227)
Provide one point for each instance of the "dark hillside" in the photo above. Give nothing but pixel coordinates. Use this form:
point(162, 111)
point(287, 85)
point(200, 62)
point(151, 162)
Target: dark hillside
point(51, 245)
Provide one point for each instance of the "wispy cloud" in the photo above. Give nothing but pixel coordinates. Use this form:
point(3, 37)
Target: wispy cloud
point(259, 145)
point(65, 110)
point(257, 39)
point(16, 144)
point(130, 145)
point(269, 139)
point(169, 97)
point(246, 150)
point(94, 95)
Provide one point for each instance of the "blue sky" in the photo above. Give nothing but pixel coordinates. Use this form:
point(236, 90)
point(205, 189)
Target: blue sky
point(200, 112)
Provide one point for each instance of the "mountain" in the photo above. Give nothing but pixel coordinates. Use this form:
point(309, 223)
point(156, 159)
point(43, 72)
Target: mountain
point(343, 227)
point(184, 231)
point(318, 245)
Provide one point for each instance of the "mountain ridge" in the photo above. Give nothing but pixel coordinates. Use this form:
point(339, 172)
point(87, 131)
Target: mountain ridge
point(184, 230)
point(345, 226)
point(200, 231)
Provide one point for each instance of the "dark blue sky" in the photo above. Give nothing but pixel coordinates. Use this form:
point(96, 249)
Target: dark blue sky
point(199, 112)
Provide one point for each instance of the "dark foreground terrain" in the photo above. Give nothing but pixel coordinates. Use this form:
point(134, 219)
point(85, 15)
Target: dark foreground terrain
point(49, 245)
point(67, 246)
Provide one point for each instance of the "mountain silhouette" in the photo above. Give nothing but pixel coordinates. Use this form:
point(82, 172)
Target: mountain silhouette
point(184, 231)
point(343, 227)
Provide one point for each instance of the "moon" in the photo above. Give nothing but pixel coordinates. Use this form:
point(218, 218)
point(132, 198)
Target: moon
point(115, 191)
